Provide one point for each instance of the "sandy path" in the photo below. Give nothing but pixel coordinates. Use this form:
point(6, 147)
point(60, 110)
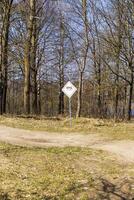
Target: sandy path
point(43, 139)
point(123, 149)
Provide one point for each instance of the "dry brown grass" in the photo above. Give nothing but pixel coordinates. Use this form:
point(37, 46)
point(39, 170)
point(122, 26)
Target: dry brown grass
point(62, 174)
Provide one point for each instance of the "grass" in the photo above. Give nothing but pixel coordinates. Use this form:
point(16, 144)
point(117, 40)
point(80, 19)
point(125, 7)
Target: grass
point(62, 173)
point(69, 173)
point(106, 128)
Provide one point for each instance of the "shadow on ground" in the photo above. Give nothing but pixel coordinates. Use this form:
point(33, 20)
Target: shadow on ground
point(121, 191)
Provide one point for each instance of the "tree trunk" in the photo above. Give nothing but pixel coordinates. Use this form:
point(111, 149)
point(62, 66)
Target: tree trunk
point(4, 54)
point(99, 88)
point(39, 108)
point(61, 68)
point(4, 95)
point(4, 73)
point(130, 100)
point(27, 63)
point(35, 101)
point(61, 95)
point(125, 101)
point(116, 93)
point(79, 104)
point(116, 103)
point(27, 80)
point(33, 64)
point(99, 94)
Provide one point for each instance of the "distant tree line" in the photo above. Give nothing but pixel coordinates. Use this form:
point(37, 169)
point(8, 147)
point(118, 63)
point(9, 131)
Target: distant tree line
point(45, 43)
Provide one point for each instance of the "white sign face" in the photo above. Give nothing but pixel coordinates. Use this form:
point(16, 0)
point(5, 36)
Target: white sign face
point(69, 89)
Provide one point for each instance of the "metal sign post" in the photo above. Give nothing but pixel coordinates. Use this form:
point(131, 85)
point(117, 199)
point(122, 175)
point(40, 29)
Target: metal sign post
point(70, 112)
point(69, 89)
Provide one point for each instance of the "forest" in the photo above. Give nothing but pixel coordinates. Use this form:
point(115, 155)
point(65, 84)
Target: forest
point(45, 43)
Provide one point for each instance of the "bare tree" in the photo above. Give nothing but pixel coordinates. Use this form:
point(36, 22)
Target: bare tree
point(27, 63)
point(5, 16)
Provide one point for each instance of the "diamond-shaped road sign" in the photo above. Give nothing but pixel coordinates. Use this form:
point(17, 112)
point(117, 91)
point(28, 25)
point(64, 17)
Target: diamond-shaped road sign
point(69, 89)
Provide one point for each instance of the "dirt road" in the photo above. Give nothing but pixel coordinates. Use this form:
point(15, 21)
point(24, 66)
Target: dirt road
point(45, 139)
point(123, 149)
